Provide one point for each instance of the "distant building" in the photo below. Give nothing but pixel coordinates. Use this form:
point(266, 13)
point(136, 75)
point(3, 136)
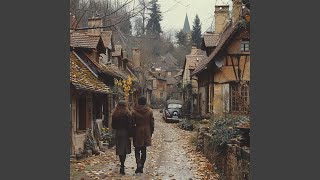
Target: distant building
point(186, 28)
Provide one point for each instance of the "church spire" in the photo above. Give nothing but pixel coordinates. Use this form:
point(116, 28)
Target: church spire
point(186, 26)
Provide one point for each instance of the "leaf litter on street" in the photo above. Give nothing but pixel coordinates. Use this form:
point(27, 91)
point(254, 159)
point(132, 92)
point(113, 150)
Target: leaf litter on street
point(171, 156)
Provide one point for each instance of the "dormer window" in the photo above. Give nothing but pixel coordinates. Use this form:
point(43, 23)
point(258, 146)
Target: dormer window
point(244, 46)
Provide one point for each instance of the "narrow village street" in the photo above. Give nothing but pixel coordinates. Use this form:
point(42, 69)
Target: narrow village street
point(172, 156)
point(198, 73)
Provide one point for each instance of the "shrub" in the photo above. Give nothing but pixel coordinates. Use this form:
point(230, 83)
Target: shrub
point(223, 129)
point(186, 124)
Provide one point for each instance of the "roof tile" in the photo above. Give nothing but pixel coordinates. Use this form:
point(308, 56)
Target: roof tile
point(211, 40)
point(83, 40)
point(81, 77)
point(229, 31)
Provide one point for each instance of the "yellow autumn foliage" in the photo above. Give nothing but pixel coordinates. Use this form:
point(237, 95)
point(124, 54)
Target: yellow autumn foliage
point(124, 85)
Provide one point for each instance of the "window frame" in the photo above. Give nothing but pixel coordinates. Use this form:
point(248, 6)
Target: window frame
point(245, 97)
point(82, 114)
point(245, 45)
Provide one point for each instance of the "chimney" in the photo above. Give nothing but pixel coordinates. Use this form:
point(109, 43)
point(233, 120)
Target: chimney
point(221, 17)
point(194, 50)
point(236, 10)
point(95, 22)
point(136, 57)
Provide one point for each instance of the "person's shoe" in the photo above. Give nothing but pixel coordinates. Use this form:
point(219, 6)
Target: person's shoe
point(139, 168)
point(137, 171)
point(122, 171)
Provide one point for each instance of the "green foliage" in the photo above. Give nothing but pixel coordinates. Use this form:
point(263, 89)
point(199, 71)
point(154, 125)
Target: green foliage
point(181, 38)
point(118, 94)
point(153, 25)
point(186, 124)
point(223, 129)
point(108, 136)
point(196, 32)
point(188, 97)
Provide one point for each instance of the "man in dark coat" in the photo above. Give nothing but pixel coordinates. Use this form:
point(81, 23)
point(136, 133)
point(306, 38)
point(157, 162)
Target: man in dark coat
point(144, 126)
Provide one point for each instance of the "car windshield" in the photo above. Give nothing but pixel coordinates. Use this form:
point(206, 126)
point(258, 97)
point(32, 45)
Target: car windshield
point(173, 106)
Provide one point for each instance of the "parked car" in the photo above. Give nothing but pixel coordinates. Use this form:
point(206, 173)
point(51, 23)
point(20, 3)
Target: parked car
point(172, 111)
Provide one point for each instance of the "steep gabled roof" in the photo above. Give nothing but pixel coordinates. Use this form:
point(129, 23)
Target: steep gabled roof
point(192, 61)
point(82, 40)
point(210, 39)
point(225, 36)
point(82, 78)
point(110, 70)
point(107, 38)
point(167, 62)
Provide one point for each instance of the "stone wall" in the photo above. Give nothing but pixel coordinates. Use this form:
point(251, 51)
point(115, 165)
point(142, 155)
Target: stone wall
point(233, 162)
point(79, 142)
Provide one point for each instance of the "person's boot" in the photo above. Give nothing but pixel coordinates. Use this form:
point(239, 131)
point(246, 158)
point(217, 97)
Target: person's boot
point(122, 160)
point(138, 161)
point(122, 170)
point(143, 160)
point(141, 168)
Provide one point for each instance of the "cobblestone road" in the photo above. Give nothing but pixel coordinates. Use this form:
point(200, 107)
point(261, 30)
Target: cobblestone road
point(171, 157)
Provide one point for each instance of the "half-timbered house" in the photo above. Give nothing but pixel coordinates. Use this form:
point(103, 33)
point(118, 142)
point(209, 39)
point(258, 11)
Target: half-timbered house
point(224, 77)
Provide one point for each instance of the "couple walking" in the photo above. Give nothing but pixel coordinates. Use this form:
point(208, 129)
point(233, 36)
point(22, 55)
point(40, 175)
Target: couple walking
point(139, 124)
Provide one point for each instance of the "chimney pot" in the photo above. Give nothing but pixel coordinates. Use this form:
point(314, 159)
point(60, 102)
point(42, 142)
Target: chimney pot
point(221, 15)
point(95, 22)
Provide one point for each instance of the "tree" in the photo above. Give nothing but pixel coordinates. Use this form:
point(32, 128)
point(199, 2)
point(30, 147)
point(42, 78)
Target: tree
point(181, 38)
point(153, 25)
point(138, 26)
point(114, 14)
point(196, 32)
point(126, 27)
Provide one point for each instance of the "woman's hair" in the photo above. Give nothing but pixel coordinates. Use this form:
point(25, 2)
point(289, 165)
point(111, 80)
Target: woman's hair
point(121, 108)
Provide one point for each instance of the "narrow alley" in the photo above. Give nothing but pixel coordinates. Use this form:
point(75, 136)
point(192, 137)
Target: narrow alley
point(171, 156)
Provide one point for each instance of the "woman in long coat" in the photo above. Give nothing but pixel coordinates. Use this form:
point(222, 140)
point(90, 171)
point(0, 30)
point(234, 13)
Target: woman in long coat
point(122, 122)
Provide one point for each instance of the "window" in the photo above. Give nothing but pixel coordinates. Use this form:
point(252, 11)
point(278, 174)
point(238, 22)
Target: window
point(174, 106)
point(154, 84)
point(169, 73)
point(211, 94)
point(245, 46)
point(207, 100)
point(82, 118)
point(239, 98)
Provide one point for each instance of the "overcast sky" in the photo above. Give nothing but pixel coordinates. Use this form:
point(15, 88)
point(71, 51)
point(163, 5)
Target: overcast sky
point(174, 12)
